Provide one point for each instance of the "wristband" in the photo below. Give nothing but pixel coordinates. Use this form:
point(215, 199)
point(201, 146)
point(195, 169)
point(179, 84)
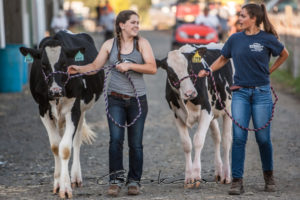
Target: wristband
point(208, 69)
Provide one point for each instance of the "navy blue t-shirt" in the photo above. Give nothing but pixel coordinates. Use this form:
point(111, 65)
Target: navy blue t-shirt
point(251, 56)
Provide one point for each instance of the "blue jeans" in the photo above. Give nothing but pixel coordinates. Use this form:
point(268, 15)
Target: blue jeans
point(256, 103)
point(125, 110)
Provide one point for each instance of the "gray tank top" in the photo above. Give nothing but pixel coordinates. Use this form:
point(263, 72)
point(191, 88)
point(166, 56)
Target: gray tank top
point(118, 81)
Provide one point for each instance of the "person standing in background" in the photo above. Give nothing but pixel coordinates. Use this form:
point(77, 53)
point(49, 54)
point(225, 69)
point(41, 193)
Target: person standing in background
point(107, 21)
point(59, 22)
point(207, 19)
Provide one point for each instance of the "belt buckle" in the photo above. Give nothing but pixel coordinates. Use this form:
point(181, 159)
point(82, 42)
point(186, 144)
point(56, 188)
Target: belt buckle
point(126, 97)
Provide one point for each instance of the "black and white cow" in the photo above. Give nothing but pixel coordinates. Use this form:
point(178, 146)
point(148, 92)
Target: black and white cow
point(193, 100)
point(63, 102)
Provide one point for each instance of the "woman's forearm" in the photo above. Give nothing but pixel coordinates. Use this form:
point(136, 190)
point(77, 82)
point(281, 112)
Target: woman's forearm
point(282, 57)
point(147, 68)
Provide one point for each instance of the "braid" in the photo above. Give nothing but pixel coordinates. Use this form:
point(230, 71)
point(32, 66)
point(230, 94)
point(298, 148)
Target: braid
point(119, 45)
point(122, 17)
point(137, 42)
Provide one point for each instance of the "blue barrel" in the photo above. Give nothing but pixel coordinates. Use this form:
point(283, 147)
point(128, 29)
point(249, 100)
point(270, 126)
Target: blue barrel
point(11, 68)
point(25, 72)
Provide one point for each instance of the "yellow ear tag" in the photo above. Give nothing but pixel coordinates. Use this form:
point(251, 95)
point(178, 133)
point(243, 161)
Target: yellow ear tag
point(196, 58)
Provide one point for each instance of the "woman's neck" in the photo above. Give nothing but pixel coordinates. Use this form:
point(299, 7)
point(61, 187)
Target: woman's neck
point(125, 38)
point(253, 30)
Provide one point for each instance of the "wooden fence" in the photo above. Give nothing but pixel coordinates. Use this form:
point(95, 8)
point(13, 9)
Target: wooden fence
point(288, 27)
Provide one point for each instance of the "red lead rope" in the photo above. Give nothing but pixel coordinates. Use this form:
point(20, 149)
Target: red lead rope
point(234, 121)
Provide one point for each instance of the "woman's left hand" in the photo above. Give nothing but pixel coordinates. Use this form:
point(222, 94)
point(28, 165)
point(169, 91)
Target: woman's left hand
point(123, 67)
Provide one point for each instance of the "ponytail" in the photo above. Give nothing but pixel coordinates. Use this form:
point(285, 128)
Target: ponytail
point(268, 27)
point(260, 12)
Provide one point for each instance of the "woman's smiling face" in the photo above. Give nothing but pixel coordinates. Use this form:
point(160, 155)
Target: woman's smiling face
point(131, 26)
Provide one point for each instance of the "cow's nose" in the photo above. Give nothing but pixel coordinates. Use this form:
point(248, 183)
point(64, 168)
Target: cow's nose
point(55, 92)
point(191, 94)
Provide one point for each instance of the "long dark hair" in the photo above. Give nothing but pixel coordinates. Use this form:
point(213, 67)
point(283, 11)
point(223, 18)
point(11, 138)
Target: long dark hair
point(260, 12)
point(122, 17)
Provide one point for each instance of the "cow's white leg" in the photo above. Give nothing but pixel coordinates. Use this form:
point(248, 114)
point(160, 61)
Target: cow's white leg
point(226, 142)
point(199, 139)
point(187, 148)
point(54, 139)
point(216, 135)
point(65, 148)
point(76, 177)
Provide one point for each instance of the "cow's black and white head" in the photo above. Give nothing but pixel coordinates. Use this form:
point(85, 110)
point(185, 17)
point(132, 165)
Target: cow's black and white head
point(181, 76)
point(53, 60)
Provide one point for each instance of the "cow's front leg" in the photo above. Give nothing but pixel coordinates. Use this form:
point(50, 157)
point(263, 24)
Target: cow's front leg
point(187, 148)
point(226, 142)
point(216, 135)
point(54, 139)
point(65, 148)
point(76, 177)
point(198, 140)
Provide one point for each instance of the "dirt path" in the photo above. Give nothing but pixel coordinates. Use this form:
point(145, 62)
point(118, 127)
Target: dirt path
point(27, 165)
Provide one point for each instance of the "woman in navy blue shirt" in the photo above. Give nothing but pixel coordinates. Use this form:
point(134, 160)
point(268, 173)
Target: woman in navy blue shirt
point(251, 50)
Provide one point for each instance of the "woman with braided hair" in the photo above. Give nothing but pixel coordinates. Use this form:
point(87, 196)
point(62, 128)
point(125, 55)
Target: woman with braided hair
point(250, 51)
point(132, 54)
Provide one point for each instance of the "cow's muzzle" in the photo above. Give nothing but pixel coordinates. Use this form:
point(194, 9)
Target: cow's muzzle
point(189, 95)
point(55, 92)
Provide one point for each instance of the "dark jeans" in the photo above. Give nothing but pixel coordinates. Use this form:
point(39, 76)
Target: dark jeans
point(125, 110)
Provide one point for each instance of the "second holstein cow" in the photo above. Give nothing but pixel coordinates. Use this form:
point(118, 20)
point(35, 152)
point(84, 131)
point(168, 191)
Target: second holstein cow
point(63, 101)
point(193, 100)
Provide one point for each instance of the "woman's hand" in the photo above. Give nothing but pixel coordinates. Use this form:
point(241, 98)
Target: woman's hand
point(203, 73)
point(123, 67)
point(73, 69)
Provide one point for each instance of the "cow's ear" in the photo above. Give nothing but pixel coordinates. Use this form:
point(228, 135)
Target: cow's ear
point(201, 51)
point(34, 53)
point(72, 53)
point(162, 63)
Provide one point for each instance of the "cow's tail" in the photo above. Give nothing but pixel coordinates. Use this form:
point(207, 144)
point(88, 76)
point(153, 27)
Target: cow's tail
point(88, 135)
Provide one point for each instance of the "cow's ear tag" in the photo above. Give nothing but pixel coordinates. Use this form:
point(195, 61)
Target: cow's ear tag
point(196, 58)
point(28, 58)
point(79, 56)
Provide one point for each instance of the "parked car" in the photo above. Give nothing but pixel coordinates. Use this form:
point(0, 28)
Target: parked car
point(185, 30)
point(194, 34)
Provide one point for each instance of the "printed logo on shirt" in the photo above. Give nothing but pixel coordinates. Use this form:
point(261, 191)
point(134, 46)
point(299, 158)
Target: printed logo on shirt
point(256, 47)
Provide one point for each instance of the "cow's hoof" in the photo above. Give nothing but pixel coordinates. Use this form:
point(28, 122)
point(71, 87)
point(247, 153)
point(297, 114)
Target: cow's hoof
point(65, 195)
point(76, 184)
point(226, 181)
point(197, 183)
point(55, 190)
point(189, 185)
point(217, 178)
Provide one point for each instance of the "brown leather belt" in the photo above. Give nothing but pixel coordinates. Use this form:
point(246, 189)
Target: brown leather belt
point(123, 96)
